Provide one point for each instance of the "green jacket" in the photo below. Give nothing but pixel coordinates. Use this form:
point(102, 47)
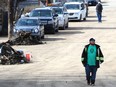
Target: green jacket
point(99, 56)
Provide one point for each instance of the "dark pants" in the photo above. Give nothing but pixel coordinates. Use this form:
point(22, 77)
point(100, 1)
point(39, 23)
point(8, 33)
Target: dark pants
point(99, 16)
point(90, 74)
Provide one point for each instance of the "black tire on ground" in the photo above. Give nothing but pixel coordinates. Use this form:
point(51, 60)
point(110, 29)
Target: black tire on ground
point(57, 30)
point(38, 38)
point(80, 18)
point(43, 37)
point(53, 31)
point(64, 27)
point(84, 19)
point(67, 25)
point(86, 14)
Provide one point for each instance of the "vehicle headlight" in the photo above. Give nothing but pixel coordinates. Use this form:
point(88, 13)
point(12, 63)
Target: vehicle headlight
point(16, 30)
point(36, 30)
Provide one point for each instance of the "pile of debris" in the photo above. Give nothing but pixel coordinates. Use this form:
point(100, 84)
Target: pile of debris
point(8, 55)
point(24, 38)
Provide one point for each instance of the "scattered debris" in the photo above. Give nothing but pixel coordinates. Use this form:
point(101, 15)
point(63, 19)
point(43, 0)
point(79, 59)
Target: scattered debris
point(8, 55)
point(24, 38)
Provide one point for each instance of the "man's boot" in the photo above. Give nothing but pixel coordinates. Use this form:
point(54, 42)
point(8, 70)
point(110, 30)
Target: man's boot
point(93, 82)
point(88, 81)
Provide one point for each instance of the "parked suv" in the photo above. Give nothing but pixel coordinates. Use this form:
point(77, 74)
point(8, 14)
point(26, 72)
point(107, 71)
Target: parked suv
point(92, 2)
point(30, 24)
point(76, 10)
point(62, 16)
point(48, 17)
point(81, 1)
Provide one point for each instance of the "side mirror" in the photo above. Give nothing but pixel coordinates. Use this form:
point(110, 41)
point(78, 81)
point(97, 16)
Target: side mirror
point(27, 14)
point(82, 8)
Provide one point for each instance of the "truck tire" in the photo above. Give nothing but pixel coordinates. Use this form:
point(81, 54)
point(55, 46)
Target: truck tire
point(67, 25)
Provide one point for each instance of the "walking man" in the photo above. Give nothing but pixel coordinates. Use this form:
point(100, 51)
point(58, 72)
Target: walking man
point(99, 9)
point(91, 58)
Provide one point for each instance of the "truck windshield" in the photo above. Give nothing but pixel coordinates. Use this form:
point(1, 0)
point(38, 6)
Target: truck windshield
point(41, 13)
point(72, 6)
point(58, 10)
point(27, 22)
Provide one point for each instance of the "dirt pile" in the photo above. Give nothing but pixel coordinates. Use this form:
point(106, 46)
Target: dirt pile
point(24, 38)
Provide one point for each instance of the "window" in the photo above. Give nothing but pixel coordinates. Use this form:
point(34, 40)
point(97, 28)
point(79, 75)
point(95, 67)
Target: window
point(72, 6)
point(58, 10)
point(27, 22)
point(41, 13)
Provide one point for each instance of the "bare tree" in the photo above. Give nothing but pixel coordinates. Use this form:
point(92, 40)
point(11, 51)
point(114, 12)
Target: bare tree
point(12, 8)
point(10, 19)
point(3, 4)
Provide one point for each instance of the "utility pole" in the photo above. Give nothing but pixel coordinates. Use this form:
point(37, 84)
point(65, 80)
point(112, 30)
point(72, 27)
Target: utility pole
point(10, 19)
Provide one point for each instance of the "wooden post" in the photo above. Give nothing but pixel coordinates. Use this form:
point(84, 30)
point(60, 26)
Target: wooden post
point(10, 19)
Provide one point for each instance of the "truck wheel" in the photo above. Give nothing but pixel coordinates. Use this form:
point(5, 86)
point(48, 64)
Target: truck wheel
point(84, 19)
point(53, 31)
point(43, 37)
point(67, 25)
point(57, 30)
point(80, 18)
point(38, 38)
point(64, 27)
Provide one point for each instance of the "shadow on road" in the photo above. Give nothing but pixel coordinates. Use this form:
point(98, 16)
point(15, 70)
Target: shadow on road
point(104, 2)
point(88, 20)
point(88, 28)
point(69, 32)
point(56, 82)
point(53, 39)
point(94, 16)
point(93, 20)
point(66, 33)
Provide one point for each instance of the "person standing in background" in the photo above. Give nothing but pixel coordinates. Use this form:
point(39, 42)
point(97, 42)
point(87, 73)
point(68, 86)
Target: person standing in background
point(99, 9)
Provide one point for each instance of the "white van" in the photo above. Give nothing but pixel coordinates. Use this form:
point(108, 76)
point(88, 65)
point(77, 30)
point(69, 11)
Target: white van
point(76, 10)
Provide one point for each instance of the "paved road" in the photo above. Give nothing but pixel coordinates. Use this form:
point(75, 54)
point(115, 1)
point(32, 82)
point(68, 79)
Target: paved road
point(57, 63)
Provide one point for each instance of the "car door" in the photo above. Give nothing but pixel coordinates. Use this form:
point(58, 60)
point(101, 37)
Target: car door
point(65, 15)
point(83, 9)
point(55, 19)
point(41, 26)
